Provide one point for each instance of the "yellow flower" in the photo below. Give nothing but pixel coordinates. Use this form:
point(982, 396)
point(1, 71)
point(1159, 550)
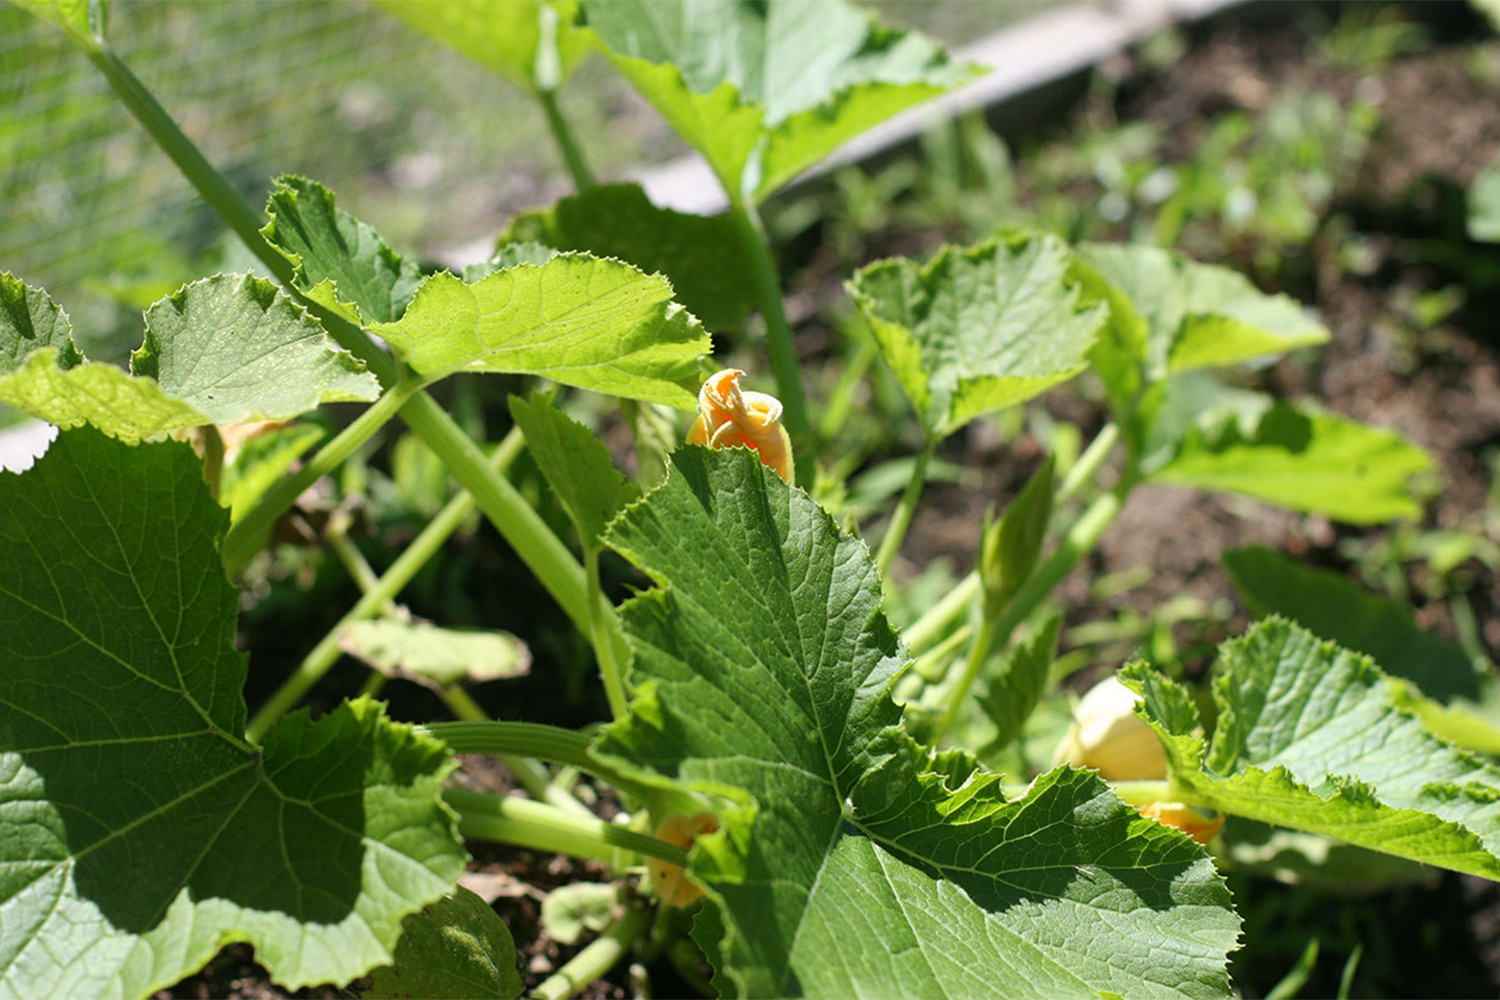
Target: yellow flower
point(1109, 736)
point(729, 416)
point(669, 881)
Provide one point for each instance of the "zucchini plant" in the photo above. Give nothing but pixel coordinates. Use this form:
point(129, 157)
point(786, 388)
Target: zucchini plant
point(833, 800)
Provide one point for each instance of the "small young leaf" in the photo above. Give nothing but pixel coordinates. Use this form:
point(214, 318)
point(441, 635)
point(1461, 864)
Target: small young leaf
point(701, 255)
point(340, 262)
point(1313, 737)
point(531, 43)
point(1310, 462)
point(1484, 204)
point(763, 675)
point(765, 90)
point(1009, 547)
point(979, 329)
point(571, 910)
point(597, 324)
point(83, 20)
point(576, 464)
point(139, 832)
point(1331, 607)
point(235, 348)
point(1015, 689)
point(261, 461)
point(457, 947)
point(437, 657)
point(1176, 314)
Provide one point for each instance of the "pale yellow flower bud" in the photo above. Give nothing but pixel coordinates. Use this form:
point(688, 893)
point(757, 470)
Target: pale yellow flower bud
point(1107, 735)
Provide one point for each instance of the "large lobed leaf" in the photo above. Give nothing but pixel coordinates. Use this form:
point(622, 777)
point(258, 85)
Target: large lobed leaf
point(854, 862)
point(139, 832)
point(221, 350)
point(1313, 737)
point(979, 329)
point(594, 323)
point(765, 90)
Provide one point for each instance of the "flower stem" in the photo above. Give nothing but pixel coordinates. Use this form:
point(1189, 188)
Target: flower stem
point(601, 955)
point(541, 826)
point(396, 577)
point(249, 533)
point(1081, 538)
point(895, 532)
point(779, 343)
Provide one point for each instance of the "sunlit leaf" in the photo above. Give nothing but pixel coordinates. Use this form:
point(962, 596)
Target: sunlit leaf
point(457, 948)
point(530, 43)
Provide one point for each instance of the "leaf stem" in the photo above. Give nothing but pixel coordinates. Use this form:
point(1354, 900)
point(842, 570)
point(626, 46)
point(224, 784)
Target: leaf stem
point(567, 144)
point(533, 740)
point(540, 826)
point(249, 533)
point(1088, 463)
point(1080, 538)
point(392, 581)
point(599, 632)
point(532, 776)
point(601, 955)
point(763, 275)
point(895, 532)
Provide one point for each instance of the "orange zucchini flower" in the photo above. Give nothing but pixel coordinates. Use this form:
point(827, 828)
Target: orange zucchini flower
point(729, 416)
point(668, 880)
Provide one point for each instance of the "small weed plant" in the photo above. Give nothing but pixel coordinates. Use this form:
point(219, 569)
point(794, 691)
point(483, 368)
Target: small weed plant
point(811, 802)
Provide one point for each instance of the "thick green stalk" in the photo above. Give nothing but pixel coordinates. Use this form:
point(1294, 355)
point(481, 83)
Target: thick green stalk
point(601, 955)
point(1080, 539)
point(248, 534)
point(567, 144)
point(542, 551)
point(767, 285)
point(895, 532)
point(532, 776)
point(426, 545)
point(543, 827)
point(526, 739)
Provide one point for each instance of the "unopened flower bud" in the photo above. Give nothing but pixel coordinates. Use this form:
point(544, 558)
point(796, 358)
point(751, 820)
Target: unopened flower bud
point(1108, 736)
point(729, 416)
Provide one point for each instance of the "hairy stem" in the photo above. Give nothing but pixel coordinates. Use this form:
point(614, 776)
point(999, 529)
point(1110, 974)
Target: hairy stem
point(767, 284)
point(604, 643)
point(567, 143)
point(532, 776)
point(895, 532)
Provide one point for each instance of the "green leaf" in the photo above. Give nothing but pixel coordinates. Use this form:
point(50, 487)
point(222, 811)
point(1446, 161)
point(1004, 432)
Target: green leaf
point(437, 657)
point(235, 348)
point(852, 861)
point(530, 43)
point(1302, 461)
point(224, 349)
point(1312, 737)
point(979, 329)
point(509, 256)
point(457, 947)
point(597, 324)
point(1015, 690)
point(1009, 547)
point(765, 90)
point(1484, 204)
point(576, 463)
point(1330, 606)
point(341, 263)
point(139, 832)
point(1171, 314)
point(83, 20)
point(701, 255)
point(570, 910)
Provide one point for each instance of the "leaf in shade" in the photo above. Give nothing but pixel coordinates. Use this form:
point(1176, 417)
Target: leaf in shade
point(576, 463)
point(437, 657)
point(139, 831)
